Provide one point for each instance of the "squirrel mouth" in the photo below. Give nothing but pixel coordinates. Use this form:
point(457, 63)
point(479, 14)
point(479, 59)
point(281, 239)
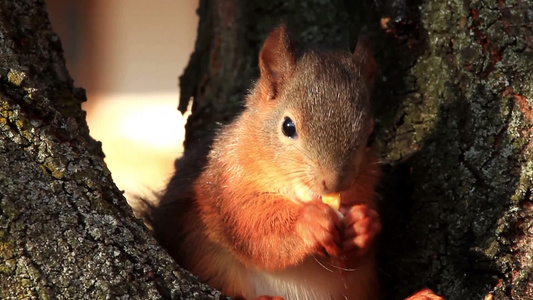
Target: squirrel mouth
point(305, 195)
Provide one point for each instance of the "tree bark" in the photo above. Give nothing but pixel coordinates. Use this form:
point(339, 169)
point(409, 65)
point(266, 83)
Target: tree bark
point(454, 115)
point(66, 231)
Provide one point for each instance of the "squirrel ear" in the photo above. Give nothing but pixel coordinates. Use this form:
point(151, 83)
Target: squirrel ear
point(276, 61)
point(365, 60)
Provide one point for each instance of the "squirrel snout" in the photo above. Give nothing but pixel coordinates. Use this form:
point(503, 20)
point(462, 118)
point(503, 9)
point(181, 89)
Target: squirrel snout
point(333, 183)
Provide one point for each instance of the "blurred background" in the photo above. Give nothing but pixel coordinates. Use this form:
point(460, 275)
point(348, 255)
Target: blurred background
point(128, 55)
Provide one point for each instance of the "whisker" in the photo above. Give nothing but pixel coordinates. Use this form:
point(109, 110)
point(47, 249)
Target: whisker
point(343, 268)
point(322, 265)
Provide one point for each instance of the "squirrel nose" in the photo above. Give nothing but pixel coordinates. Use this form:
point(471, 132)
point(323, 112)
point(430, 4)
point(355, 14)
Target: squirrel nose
point(334, 183)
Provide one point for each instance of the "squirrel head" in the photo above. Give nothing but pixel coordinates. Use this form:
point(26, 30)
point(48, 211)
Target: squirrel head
point(314, 114)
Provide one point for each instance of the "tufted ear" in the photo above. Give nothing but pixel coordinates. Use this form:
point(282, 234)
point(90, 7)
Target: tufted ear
point(365, 60)
point(276, 62)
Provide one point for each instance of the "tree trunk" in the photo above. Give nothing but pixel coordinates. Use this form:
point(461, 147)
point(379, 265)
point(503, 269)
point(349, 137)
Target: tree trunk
point(454, 115)
point(66, 231)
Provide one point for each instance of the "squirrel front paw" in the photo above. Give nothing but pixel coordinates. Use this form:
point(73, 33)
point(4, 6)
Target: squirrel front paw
point(361, 226)
point(319, 226)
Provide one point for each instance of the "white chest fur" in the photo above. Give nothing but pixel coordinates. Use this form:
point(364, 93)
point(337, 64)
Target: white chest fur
point(317, 279)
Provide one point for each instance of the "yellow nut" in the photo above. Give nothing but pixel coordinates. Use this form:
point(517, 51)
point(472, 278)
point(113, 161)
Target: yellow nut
point(333, 200)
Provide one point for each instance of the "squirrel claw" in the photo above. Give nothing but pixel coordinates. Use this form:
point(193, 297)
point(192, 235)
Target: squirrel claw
point(361, 225)
point(319, 227)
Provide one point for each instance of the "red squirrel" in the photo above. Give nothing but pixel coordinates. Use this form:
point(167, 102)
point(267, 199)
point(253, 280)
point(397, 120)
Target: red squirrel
point(251, 222)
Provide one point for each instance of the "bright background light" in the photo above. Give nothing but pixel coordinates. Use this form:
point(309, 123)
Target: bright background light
point(128, 55)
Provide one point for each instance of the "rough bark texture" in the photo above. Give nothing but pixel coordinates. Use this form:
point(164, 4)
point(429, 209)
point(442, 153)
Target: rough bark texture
point(66, 231)
point(454, 115)
point(461, 142)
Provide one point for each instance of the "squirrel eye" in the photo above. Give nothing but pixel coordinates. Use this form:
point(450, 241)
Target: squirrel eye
point(288, 128)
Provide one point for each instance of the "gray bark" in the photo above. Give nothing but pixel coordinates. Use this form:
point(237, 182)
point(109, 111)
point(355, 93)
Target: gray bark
point(66, 231)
